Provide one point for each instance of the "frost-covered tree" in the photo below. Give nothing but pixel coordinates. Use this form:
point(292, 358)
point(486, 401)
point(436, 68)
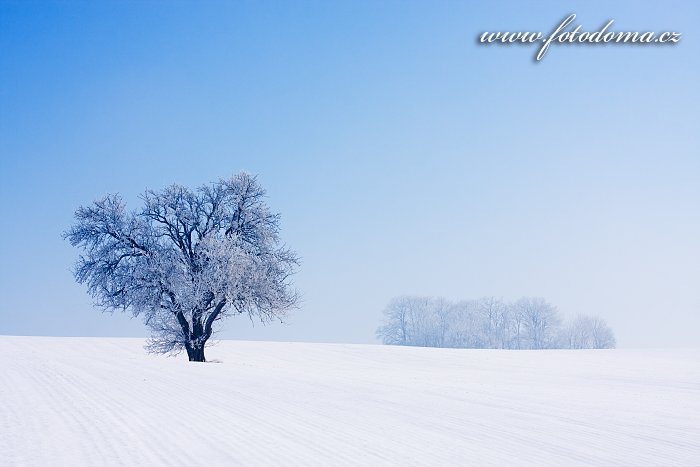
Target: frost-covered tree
point(541, 322)
point(186, 260)
point(488, 323)
point(397, 320)
point(589, 332)
point(465, 327)
point(493, 314)
point(418, 321)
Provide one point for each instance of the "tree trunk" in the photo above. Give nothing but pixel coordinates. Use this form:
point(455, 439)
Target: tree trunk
point(195, 352)
point(196, 341)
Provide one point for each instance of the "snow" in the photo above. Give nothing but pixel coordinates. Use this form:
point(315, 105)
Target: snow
point(98, 401)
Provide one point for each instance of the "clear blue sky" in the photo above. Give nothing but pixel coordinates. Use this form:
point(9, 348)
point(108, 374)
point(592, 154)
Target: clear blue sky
point(404, 158)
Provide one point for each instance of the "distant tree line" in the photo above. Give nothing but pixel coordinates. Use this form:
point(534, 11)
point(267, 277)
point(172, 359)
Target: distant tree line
point(489, 323)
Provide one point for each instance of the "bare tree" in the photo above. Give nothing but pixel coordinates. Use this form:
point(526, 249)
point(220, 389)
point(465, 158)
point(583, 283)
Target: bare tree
point(603, 336)
point(186, 260)
point(395, 329)
point(441, 313)
point(492, 313)
point(516, 327)
point(419, 321)
point(589, 332)
point(541, 322)
point(464, 325)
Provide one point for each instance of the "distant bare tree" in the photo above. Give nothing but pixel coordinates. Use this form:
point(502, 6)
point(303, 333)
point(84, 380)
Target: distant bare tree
point(492, 313)
point(464, 326)
point(395, 329)
point(541, 322)
point(418, 321)
point(441, 312)
point(589, 332)
point(516, 327)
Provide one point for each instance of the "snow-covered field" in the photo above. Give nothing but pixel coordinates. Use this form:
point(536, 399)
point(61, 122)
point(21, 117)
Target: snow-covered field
point(94, 401)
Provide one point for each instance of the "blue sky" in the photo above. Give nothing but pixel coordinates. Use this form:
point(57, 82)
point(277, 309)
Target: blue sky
point(403, 157)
